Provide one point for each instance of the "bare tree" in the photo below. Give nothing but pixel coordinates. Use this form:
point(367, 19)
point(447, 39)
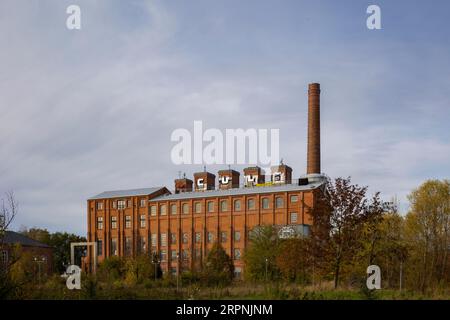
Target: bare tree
point(8, 212)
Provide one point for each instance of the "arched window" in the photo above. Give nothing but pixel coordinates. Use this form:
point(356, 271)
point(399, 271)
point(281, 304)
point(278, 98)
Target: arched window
point(223, 205)
point(185, 208)
point(237, 205)
point(198, 207)
point(265, 203)
point(279, 202)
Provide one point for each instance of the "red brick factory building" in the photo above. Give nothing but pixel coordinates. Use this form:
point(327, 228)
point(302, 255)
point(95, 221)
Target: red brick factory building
point(181, 226)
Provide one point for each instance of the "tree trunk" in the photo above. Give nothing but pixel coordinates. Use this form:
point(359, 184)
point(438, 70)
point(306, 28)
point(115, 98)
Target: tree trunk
point(336, 271)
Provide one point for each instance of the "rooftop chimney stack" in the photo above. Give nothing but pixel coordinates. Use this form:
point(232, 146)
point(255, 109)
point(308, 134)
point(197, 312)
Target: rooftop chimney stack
point(281, 174)
point(228, 179)
point(253, 176)
point(204, 181)
point(313, 163)
point(183, 185)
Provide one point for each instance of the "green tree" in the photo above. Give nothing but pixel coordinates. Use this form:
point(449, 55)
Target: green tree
point(111, 269)
point(60, 241)
point(139, 269)
point(338, 225)
point(218, 268)
point(294, 259)
point(260, 256)
point(428, 232)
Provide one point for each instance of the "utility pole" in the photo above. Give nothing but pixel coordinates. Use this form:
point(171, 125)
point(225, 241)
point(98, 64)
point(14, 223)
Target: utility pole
point(156, 262)
point(39, 261)
point(267, 262)
point(401, 275)
point(178, 270)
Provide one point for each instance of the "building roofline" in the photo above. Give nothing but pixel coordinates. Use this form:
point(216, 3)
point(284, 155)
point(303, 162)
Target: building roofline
point(237, 191)
point(127, 193)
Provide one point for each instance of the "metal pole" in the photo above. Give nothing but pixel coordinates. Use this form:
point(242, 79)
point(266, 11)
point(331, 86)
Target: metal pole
point(267, 261)
point(178, 270)
point(401, 275)
point(39, 268)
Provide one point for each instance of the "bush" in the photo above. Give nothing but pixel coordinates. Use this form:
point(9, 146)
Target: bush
point(219, 268)
point(111, 269)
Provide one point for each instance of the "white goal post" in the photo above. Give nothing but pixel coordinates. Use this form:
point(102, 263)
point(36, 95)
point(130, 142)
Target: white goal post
point(83, 244)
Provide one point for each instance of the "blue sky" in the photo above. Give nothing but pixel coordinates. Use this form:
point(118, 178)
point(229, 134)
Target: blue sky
point(92, 110)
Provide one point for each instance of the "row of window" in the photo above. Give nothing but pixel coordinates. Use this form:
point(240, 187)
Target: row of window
point(162, 254)
point(143, 221)
point(122, 204)
point(265, 204)
point(197, 238)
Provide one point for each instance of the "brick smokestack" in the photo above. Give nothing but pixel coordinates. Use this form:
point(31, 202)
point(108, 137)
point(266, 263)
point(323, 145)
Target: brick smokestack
point(313, 163)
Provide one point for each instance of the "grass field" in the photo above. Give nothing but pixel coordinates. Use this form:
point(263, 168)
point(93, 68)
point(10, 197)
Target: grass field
point(54, 288)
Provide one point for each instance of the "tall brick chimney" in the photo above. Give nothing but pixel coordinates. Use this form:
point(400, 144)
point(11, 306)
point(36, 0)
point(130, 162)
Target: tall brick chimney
point(313, 163)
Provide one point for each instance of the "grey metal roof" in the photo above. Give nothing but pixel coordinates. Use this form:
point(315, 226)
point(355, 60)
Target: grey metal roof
point(237, 191)
point(126, 193)
point(12, 237)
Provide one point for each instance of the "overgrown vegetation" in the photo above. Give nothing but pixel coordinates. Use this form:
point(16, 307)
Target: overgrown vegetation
point(351, 231)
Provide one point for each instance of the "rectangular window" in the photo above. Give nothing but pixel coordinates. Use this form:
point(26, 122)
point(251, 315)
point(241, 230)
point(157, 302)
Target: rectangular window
point(127, 222)
point(154, 239)
point(142, 245)
point(153, 210)
point(198, 237)
point(294, 198)
point(162, 210)
point(185, 237)
point(265, 203)
point(237, 272)
point(210, 237)
point(293, 217)
point(251, 204)
point(113, 222)
point(129, 203)
point(163, 239)
point(173, 238)
point(237, 236)
point(185, 254)
point(114, 204)
point(121, 204)
point(210, 206)
point(4, 257)
point(163, 255)
point(128, 246)
point(99, 223)
point(185, 208)
point(173, 255)
point(198, 207)
point(99, 247)
point(223, 236)
point(99, 205)
point(237, 254)
point(237, 205)
point(114, 247)
point(173, 209)
point(142, 203)
point(143, 220)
